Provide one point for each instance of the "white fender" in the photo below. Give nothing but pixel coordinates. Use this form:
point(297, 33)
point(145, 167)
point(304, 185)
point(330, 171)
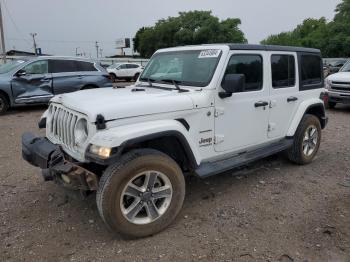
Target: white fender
point(114, 137)
point(300, 113)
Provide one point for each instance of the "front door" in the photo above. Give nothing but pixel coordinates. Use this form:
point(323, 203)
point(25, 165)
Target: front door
point(242, 120)
point(284, 93)
point(34, 85)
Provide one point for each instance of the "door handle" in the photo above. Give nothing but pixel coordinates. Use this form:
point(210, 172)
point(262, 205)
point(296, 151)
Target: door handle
point(292, 99)
point(261, 104)
point(45, 79)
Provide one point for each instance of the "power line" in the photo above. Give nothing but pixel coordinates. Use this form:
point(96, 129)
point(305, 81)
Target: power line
point(14, 24)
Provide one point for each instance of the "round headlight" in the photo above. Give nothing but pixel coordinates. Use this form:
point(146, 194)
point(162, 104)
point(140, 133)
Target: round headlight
point(81, 131)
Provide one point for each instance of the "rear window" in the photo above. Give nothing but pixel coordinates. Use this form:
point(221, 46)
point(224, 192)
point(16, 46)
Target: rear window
point(85, 66)
point(311, 70)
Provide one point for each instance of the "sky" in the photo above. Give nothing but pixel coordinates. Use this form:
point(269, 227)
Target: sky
point(66, 26)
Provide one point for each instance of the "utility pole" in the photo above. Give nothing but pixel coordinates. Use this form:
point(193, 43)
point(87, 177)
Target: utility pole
point(2, 37)
point(96, 45)
point(101, 50)
point(34, 43)
point(76, 51)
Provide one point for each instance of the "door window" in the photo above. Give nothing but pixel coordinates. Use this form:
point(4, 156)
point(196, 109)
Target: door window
point(83, 66)
point(251, 66)
point(132, 66)
point(63, 66)
point(37, 67)
point(283, 71)
point(122, 66)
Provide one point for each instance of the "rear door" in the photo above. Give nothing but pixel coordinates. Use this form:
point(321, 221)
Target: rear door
point(66, 76)
point(284, 92)
point(33, 87)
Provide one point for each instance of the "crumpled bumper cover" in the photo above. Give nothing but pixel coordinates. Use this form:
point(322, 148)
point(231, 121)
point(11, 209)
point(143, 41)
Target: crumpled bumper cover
point(37, 150)
point(40, 152)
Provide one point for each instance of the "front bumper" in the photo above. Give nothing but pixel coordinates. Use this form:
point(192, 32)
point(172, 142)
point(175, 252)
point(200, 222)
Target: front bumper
point(40, 152)
point(342, 98)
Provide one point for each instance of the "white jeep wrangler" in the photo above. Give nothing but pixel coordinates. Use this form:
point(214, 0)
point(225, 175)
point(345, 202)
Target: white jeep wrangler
point(195, 110)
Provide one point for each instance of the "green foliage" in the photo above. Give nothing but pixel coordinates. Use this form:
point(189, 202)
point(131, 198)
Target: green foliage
point(195, 27)
point(333, 38)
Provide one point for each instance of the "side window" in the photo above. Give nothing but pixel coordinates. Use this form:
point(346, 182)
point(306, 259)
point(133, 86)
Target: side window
point(123, 66)
point(283, 71)
point(37, 67)
point(62, 66)
point(249, 65)
point(311, 70)
point(85, 66)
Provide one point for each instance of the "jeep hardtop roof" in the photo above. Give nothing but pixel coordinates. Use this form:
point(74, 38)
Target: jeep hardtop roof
point(270, 48)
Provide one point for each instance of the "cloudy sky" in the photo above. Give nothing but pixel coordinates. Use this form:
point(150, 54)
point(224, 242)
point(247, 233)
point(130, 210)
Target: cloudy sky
point(64, 25)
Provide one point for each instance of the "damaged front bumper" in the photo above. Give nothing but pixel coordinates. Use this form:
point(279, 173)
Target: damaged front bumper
point(40, 152)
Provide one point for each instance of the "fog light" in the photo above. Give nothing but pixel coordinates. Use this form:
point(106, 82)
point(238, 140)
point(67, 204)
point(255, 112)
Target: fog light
point(101, 151)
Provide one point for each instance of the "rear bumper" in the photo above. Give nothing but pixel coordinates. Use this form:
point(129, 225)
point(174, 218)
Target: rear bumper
point(40, 152)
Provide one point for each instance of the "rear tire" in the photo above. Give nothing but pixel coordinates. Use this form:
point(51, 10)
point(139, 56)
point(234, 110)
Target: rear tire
point(331, 105)
point(132, 205)
point(4, 104)
point(307, 140)
point(136, 76)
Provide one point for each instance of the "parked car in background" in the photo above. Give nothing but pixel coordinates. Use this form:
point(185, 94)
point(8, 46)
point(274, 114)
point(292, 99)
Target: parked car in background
point(338, 87)
point(127, 71)
point(37, 80)
point(335, 66)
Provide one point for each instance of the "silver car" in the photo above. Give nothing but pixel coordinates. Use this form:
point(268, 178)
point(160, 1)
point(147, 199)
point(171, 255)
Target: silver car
point(37, 80)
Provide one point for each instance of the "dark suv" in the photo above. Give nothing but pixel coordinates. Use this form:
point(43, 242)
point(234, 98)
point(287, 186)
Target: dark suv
point(37, 80)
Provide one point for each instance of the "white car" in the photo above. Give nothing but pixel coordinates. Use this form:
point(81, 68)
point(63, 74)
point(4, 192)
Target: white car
point(338, 87)
point(127, 71)
point(221, 107)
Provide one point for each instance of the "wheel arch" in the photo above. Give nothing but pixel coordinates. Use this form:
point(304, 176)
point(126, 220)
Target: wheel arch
point(314, 108)
point(168, 136)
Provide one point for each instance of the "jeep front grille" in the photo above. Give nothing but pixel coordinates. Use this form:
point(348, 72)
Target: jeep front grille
point(62, 124)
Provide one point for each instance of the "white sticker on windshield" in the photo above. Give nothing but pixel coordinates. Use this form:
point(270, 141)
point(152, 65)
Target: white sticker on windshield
point(209, 53)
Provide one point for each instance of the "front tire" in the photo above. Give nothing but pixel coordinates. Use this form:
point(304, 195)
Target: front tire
point(307, 140)
point(136, 76)
point(4, 104)
point(141, 194)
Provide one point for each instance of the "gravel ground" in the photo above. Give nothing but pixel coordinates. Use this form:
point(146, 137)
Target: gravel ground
point(271, 210)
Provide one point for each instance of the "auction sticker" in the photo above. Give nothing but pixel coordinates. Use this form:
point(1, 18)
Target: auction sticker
point(209, 53)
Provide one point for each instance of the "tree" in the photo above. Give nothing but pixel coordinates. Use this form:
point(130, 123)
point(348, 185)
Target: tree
point(333, 38)
point(194, 27)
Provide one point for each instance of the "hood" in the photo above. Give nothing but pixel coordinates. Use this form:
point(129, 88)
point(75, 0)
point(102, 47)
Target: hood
point(115, 103)
point(341, 76)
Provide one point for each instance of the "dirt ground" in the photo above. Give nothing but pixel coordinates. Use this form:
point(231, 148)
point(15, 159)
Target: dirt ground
point(271, 210)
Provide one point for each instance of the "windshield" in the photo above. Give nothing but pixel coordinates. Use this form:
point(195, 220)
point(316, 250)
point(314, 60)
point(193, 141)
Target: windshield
point(345, 68)
point(192, 68)
point(10, 66)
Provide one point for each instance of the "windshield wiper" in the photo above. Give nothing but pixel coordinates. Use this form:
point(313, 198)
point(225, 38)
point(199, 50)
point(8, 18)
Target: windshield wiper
point(149, 80)
point(175, 83)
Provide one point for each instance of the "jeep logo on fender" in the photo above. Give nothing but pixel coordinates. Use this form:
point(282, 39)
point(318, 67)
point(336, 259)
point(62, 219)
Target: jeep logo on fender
point(205, 141)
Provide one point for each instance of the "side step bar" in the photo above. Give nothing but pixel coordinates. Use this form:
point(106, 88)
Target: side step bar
point(213, 168)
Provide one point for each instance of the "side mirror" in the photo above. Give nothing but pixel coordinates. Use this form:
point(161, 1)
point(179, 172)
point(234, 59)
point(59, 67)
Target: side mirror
point(21, 72)
point(232, 83)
